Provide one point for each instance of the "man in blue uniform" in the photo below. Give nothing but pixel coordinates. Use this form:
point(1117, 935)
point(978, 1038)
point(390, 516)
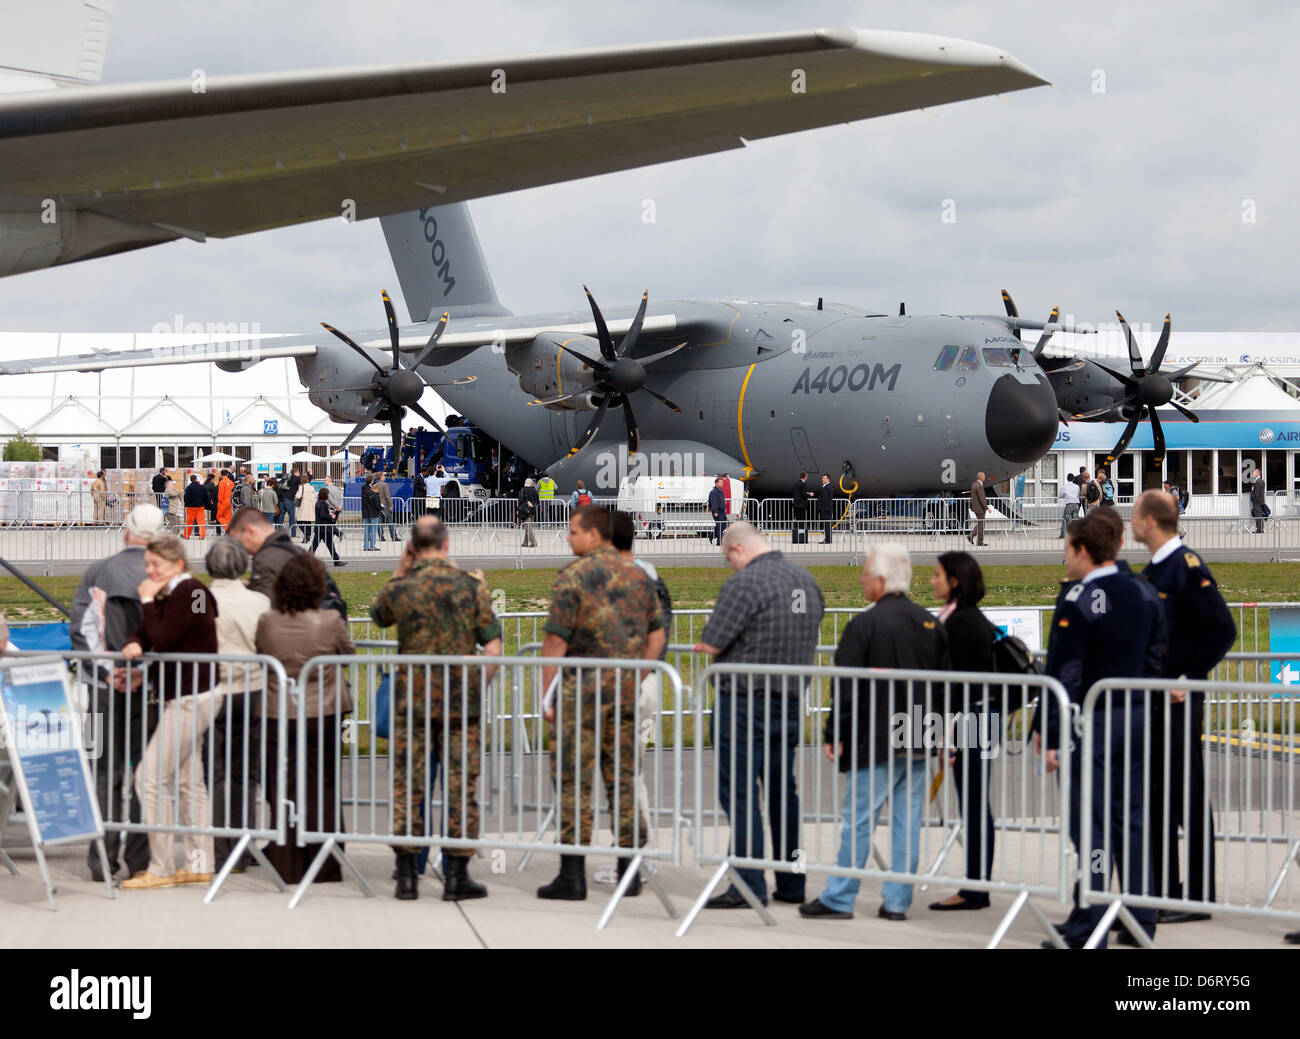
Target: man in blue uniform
point(718, 510)
point(1201, 630)
point(1107, 625)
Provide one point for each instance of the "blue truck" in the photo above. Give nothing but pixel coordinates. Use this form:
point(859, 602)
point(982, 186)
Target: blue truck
point(465, 453)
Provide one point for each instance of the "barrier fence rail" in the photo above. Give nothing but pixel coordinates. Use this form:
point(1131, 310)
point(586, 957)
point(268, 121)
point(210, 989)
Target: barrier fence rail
point(467, 713)
point(1140, 782)
point(902, 737)
point(1208, 788)
point(487, 529)
point(167, 763)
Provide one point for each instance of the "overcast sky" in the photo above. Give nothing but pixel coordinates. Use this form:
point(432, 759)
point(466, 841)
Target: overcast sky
point(1131, 198)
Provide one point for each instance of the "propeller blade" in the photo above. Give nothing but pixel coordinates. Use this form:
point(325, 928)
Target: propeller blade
point(602, 330)
point(633, 434)
point(1010, 304)
point(1182, 371)
point(902, 309)
point(1186, 411)
point(557, 400)
point(1047, 333)
point(590, 432)
point(432, 343)
point(348, 340)
point(1085, 416)
point(1127, 380)
point(1073, 366)
point(1157, 436)
point(371, 412)
point(1134, 354)
point(647, 361)
point(629, 341)
point(1064, 415)
point(599, 366)
point(1127, 435)
point(462, 381)
point(1161, 346)
point(395, 424)
point(419, 410)
point(392, 328)
point(662, 399)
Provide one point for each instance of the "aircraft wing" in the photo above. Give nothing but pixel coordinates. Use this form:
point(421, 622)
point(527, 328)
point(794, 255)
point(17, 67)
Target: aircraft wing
point(237, 354)
point(137, 164)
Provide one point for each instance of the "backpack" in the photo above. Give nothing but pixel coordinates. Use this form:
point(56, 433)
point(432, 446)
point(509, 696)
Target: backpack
point(1092, 493)
point(333, 599)
point(1012, 657)
point(583, 499)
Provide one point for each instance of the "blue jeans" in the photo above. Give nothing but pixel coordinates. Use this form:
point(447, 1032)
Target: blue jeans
point(369, 528)
point(763, 748)
point(290, 511)
point(865, 791)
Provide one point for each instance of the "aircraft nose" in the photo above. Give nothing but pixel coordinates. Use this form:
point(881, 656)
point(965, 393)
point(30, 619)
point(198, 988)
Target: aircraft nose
point(1021, 420)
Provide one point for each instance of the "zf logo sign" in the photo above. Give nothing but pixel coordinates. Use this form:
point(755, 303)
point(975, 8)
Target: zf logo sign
point(270, 427)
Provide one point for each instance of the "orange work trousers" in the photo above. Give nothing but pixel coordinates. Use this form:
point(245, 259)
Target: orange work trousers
point(198, 518)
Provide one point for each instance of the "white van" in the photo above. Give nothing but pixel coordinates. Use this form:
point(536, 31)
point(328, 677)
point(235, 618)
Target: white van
point(670, 506)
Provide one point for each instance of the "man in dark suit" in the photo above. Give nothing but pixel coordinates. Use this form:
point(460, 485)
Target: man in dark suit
point(1108, 624)
point(801, 497)
point(826, 507)
point(1201, 630)
point(1257, 505)
point(718, 510)
point(979, 505)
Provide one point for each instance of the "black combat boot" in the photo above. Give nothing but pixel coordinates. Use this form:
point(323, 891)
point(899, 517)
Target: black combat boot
point(571, 883)
point(633, 888)
point(407, 882)
point(456, 883)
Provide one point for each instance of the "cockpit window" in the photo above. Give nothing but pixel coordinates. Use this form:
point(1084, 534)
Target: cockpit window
point(969, 361)
point(998, 357)
point(946, 356)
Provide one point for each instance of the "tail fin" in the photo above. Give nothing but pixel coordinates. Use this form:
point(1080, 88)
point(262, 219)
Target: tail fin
point(53, 43)
point(439, 263)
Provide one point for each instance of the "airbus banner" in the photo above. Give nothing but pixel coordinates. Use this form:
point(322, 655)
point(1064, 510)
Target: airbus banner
point(1259, 431)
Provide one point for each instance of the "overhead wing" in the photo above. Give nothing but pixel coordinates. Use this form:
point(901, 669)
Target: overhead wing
point(133, 165)
point(239, 354)
point(233, 356)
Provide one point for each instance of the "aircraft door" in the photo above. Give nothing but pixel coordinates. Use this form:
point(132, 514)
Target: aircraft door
point(803, 450)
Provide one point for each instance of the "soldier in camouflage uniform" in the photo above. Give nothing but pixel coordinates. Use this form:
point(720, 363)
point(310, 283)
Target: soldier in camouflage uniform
point(438, 610)
point(601, 606)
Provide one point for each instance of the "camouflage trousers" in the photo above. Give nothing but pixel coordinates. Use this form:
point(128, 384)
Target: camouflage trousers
point(459, 759)
point(604, 740)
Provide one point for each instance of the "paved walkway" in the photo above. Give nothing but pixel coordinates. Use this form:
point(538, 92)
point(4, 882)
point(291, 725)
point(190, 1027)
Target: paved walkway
point(249, 913)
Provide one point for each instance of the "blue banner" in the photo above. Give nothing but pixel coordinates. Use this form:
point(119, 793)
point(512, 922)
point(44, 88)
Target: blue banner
point(1284, 637)
point(45, 735)
point(1229, 430)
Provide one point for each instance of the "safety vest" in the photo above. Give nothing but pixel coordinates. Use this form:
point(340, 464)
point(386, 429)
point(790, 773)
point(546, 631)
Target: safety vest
point(546, 488)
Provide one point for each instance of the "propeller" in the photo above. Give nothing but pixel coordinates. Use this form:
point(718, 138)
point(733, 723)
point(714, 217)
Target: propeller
point(1051, 365)
point(1147, 388)
point(396, 386)
point(618, 376)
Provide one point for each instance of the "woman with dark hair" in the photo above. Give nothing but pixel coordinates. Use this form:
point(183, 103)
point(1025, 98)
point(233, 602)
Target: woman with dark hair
point(959, 585)
point(323, 528)
point(294, 632)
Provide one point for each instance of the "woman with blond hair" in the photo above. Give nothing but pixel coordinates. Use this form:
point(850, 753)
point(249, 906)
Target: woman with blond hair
point(179, 615)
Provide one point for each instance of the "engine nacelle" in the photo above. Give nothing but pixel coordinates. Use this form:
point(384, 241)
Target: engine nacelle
point(547, 372)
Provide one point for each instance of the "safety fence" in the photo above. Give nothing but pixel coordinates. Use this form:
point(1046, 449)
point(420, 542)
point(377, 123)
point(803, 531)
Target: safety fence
point(689, 773)
point(179, 747)
point(1157, 758)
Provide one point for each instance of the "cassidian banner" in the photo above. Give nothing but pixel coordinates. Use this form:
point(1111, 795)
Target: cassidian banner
point(1223, 430)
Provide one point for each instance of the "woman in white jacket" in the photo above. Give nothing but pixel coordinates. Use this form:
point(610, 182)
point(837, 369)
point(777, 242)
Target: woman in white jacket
point(304, 504)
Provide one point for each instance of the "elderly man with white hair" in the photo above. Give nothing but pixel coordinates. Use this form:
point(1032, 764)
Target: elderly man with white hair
point(769, 612)
point(528, 503)
point(863, 728)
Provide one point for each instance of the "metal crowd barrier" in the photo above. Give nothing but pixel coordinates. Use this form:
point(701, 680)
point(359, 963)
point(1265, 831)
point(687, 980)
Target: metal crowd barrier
point(1145, 772)
point(761, 734)
point(213, 752)
point(603, 729)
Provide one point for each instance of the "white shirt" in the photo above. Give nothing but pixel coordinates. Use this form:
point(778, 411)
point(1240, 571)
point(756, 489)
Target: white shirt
point(1101, 571)
point(1070, 492)
point(1167, 549)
